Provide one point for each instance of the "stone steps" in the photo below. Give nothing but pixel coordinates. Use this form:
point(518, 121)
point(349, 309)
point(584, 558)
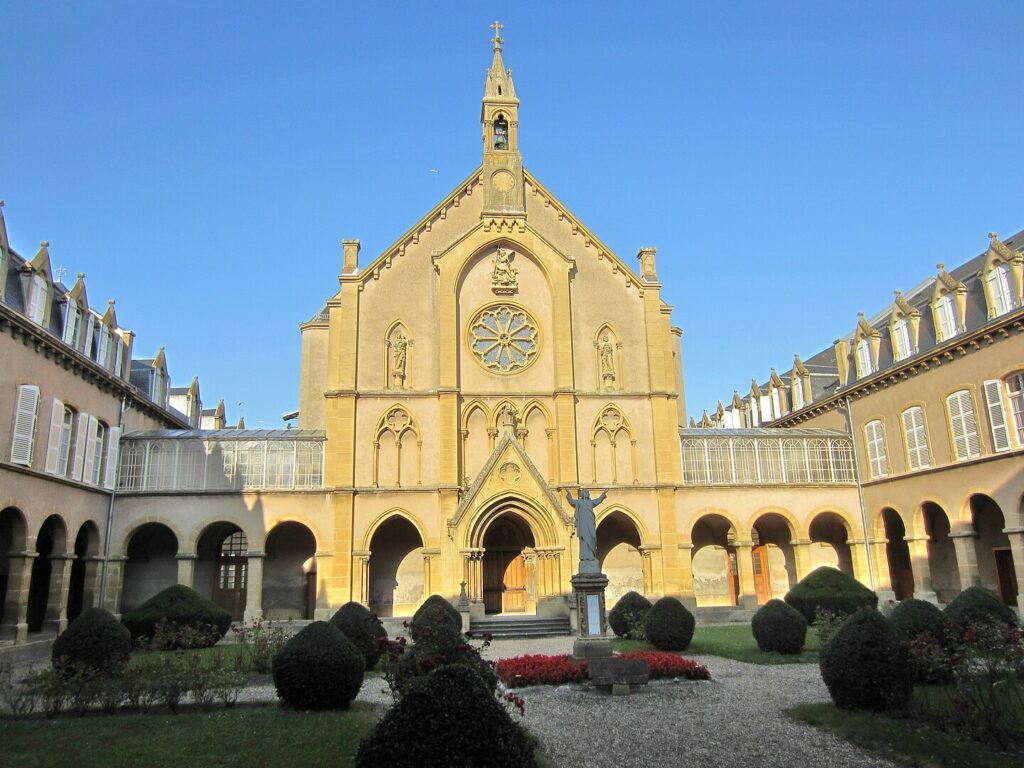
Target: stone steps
point(521, 626)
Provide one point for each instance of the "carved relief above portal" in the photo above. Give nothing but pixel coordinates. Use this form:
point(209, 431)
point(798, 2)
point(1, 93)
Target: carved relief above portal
point(504, 277)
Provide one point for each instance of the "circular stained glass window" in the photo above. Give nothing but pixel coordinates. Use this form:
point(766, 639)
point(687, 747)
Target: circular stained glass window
point(503, 338)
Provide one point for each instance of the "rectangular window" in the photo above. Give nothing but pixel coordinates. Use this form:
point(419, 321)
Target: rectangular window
point(99, 438)
point(864, 366)
point(999, 289)
point(102, 346)
point(72, 325)
point(1015, 393)
point(918, 455)
point(901, 339)
point(875, 433)
point(963, 425)
point(24, 437)
point(37, 299)
point(798, 393)
point(947, 317)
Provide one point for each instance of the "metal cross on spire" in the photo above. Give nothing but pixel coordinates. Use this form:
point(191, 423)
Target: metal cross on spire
point(497, 39)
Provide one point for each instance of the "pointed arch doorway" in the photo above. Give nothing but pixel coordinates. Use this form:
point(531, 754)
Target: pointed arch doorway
point(504, 565)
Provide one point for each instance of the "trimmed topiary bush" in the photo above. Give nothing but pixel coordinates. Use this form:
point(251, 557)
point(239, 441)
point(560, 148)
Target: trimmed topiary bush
point(95, 640)
point(779, 627)
point(864, 665)
point(832, 590)
point(668, 625)
point(627, 617)
point(436, 620)
point(979, 606)
point(363, 628)
point(912, 618)
point(319, 668)
point(439, 602)
point(179, 609)
point(447, 718)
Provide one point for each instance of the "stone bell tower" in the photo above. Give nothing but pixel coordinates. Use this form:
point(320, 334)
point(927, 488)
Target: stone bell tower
point(499, 115)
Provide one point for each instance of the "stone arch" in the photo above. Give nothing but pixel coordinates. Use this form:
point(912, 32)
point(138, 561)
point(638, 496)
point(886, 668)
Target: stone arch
point(891, 528)
point(713, 560)
point(221, 571)
point(996, 567)
point(83, 591)
point(383, 517)
point(537, 435)
point(289, 571)
point(120, 544)
point(398, 348)
point(152, 566)
point(46, 587)
point(13, 541)
point(829, 532)
point(541, 524)
point(395, 581)
point(190, 542)
point(493, 244)
point(397, 449)
point(477, 439)
point(505, 541)
point(613, 447)
point(774, 560)
point(619, 553)
point(932, 521)
point(610, 371)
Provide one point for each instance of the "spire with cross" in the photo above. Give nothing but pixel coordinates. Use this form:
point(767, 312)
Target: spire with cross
point(497, 39)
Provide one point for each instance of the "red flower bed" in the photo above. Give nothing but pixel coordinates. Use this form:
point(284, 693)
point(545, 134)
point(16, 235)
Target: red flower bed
point(670, 665)
point(539, 669)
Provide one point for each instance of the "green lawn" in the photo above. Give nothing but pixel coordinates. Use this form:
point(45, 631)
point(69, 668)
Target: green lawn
point(228, 652)
point(733, 642)
point(903, 740)
point(243, 737)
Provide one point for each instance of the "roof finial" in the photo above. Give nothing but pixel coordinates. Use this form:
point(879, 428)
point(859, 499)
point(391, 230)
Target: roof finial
point(497, 39)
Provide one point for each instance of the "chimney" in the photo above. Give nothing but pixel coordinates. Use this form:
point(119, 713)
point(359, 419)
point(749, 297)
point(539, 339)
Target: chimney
point(350, 258)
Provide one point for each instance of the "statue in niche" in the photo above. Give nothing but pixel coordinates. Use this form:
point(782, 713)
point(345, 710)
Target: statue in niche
point(509, 417)
point(399, 358)
point(607, 353)
point(586, 528)
point(505, 277)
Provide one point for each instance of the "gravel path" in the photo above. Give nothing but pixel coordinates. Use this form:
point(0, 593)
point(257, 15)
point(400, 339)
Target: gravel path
point(733, 720)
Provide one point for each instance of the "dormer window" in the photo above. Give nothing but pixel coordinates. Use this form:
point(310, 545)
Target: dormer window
point(500, 132)
point(1000, 290)
point(946, 314)
point(37, 301)
point(901, 339)
point(864, 366)
point(73, 325)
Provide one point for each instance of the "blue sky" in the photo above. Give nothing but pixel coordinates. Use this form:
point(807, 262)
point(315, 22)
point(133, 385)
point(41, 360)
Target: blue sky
point(793, 162)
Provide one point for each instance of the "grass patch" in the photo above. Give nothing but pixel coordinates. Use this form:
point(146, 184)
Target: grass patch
point(233, 654)
point(733, 642)
point(907, 741)
point(238, 738)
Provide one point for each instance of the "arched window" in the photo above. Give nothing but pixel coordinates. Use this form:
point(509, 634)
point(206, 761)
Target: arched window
point(874, 431)
point(916, 437)
point(500, 132)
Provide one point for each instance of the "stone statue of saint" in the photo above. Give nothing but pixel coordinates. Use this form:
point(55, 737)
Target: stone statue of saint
point(509, 417)
point(586, 528)
point(504, 273)
point(399, 352)
point(607, 359)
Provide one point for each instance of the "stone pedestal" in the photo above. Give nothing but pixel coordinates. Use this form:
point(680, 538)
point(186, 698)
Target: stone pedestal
point(588, 598)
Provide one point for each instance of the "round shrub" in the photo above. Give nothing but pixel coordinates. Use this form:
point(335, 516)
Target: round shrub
point(864, 665)
point(668, 625)
point(913, 618)
point(96, 640)
point(198, 622)
point(318, 668)
point(779, 627)
point(447, 718)
point(628, 614)
point(435, 621)
point(363, 628)
point(436, 601)
point(979, 606)
point(832, 590)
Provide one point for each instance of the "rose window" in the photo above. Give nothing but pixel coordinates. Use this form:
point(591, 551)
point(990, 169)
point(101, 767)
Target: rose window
point(503, 338)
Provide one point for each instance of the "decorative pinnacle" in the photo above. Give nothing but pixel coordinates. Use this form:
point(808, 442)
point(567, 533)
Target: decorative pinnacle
point(991, 235)
point(497, 39)
point(940, 266)
point(44, 243)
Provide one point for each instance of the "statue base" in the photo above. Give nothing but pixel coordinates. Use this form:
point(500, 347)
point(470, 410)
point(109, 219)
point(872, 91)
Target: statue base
point(588, 592)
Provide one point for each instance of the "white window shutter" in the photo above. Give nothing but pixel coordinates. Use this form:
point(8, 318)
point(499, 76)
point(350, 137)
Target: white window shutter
point(81, 430)
point(997, 415)
point(25, 424)
point(89, 326)
point(53, 446)
point(90, 450)
point(113, 446)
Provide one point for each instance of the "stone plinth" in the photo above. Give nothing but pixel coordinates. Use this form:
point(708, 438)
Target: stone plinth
point(588, 593)
point(618, 673)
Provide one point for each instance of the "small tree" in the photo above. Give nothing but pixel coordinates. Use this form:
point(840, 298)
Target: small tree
point(864, 665)
point(627, 617)
point(779, 627)
point(668, 625)
point(832, 590)
point(95, 640)
point(319, 668)
point(363, 628)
